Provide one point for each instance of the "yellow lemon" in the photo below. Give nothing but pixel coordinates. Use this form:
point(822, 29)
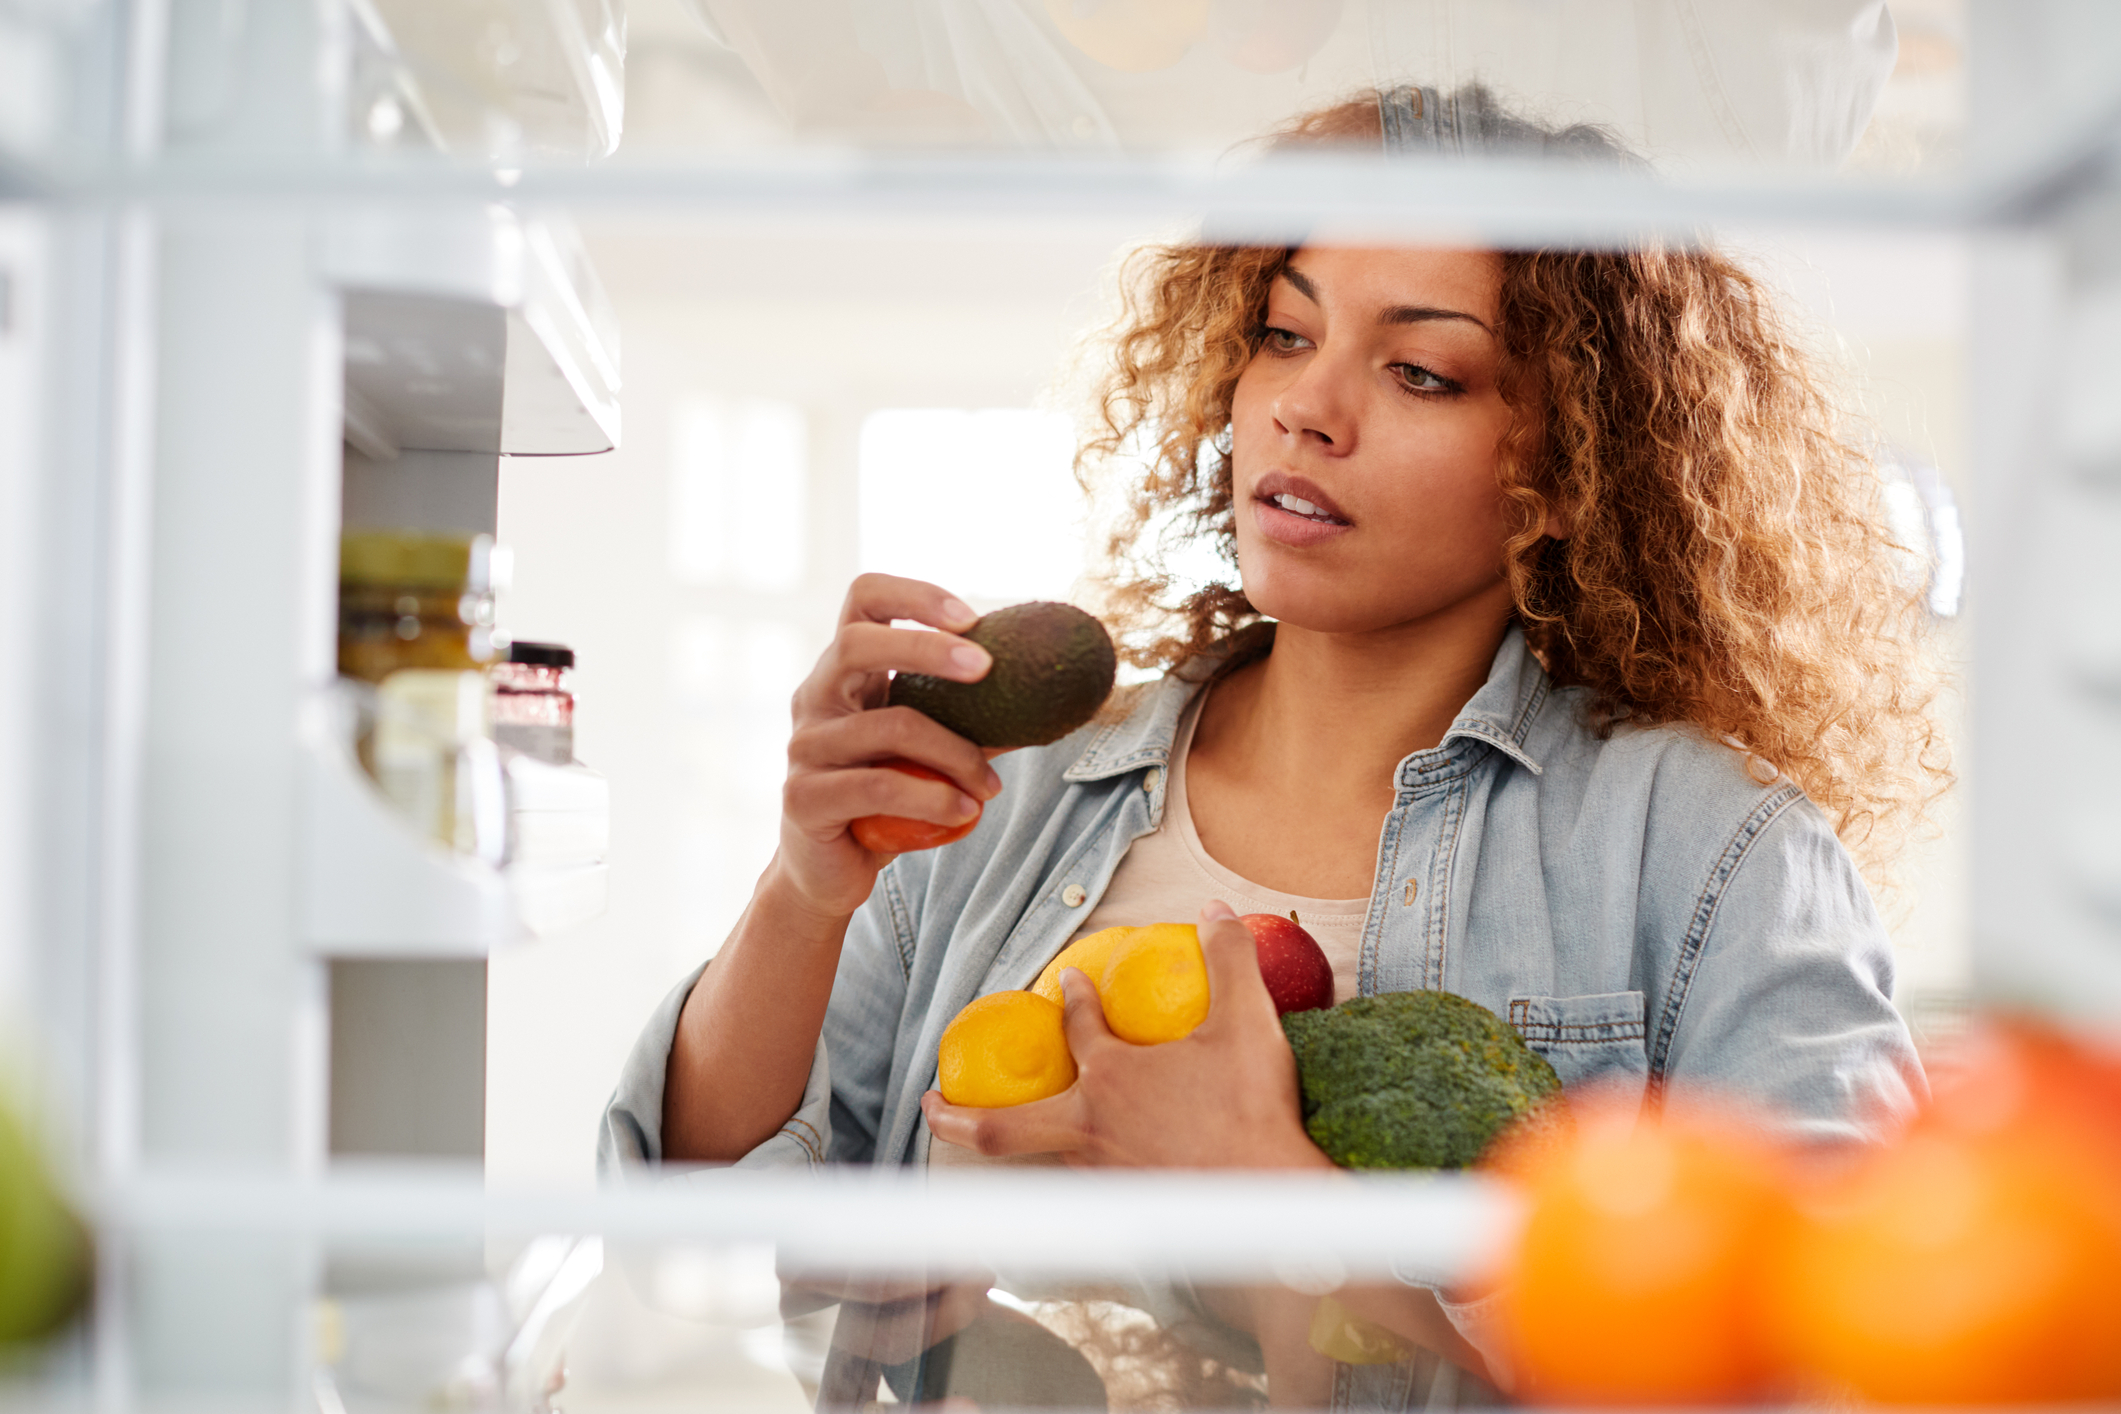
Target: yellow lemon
point(1088, 955)
point(1155, 986)
point(1339, 1334)
point(1006, 1048)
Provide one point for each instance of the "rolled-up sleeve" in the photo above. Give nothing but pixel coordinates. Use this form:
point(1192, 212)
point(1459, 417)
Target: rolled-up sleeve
point(632, 1132)
point(831, 1124)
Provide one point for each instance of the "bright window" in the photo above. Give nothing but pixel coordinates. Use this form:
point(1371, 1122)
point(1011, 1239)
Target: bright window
point(983, 503)
point(739, 470)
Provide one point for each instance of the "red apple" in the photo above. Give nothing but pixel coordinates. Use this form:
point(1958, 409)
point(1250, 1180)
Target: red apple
point(1298, 976)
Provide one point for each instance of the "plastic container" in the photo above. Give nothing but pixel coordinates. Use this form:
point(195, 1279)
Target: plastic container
point(409, 600)
point(434, 759)
point(534, 701)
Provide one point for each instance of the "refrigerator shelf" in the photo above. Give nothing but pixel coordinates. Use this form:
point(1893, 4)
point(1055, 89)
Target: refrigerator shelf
point(1442, 1227)
point(472, 330)
point(373, 887)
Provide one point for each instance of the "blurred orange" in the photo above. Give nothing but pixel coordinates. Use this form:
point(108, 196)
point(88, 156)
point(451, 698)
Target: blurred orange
point(1155, 985)
point(1976, 1261)
point(2011, 1072)
point(1635, 1278)
point(1948, 1272)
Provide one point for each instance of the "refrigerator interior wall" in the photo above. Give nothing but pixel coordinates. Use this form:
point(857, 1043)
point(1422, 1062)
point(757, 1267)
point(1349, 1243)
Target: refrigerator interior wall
point(26, 990)
point(2047, 899)
point(402, 1027)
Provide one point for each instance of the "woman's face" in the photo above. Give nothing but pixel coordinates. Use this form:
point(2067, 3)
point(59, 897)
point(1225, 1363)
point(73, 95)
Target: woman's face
point(1365, 435)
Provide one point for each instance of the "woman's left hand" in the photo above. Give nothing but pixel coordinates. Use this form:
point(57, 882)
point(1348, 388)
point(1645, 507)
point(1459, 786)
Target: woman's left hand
point(1224, 1096)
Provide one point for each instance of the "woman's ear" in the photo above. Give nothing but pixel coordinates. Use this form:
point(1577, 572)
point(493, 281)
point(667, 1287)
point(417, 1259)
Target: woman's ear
point(1560, 523)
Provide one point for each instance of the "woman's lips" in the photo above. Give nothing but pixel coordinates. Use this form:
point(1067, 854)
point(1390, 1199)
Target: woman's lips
point(1289, 528)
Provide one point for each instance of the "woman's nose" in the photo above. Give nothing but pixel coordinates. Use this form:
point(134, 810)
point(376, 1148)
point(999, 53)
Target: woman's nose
point(1315, 406)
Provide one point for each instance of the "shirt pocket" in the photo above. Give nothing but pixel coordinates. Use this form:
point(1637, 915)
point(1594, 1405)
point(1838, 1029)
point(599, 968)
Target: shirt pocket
point(1599, 1037)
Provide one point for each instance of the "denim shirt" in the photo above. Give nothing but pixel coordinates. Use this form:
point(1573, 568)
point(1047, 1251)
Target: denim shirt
point(1638, 905)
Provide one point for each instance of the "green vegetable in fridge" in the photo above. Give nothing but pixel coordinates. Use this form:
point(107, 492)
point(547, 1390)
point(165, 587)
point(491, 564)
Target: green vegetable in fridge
point(1414, 1080)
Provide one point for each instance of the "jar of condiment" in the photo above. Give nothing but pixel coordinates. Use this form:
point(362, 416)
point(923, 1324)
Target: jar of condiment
point(413, 600)
point(432, 754)
point(533, 709)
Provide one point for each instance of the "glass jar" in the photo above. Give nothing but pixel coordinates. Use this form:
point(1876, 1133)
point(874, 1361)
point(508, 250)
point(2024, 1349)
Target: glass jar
point(431, 751)
point(533, 708)
point(412, 600)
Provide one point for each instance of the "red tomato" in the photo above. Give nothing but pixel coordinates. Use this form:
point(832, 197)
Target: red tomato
point(895, 834)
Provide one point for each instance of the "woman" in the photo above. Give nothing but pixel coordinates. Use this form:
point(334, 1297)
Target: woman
point(1567, 663)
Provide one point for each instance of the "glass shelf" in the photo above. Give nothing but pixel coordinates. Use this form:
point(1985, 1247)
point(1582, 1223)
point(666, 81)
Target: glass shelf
point(491, 80)
point(742, 1288)
point(1832, 111)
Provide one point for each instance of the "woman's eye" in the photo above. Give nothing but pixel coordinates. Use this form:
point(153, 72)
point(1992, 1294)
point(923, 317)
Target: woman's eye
point(1421, 380)
point(1283, 341)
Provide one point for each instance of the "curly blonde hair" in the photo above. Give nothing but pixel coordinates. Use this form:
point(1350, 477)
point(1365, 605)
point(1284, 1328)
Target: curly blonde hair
point(1729, 564)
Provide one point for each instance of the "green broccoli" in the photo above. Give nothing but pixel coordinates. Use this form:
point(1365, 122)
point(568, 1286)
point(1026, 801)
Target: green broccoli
point(1419, 1080)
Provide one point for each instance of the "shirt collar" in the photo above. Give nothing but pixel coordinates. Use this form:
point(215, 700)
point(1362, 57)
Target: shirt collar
point(1502, 712)
point(1500, 715)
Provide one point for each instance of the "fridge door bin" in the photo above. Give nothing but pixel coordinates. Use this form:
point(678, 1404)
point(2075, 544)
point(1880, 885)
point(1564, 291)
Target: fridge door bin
point(373, 887)
point(559, 825)
point(548, 900)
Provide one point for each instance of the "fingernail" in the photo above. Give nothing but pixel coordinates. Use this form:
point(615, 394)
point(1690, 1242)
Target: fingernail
point(957, 611)
point(1216, 911)
point(994, 782)
point(967, 807)
point(971, 658)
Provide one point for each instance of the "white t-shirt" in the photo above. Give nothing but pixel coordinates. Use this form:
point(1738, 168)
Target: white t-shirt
point(1168, 875)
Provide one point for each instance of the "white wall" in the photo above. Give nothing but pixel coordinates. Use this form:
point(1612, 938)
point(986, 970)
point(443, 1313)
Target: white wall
point(1894, 307)
point(906, 318)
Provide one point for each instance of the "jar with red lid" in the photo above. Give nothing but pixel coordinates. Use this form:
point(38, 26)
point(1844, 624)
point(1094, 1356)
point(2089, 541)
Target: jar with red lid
point(533, 709)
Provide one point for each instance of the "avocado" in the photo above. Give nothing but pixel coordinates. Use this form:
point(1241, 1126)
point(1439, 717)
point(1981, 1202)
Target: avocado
point(1053, 668)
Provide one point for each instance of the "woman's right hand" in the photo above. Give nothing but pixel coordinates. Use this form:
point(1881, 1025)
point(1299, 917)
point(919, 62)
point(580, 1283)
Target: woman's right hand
point(843, 733)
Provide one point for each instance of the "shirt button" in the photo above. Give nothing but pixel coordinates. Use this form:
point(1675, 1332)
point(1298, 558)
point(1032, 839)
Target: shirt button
point(1074, 895)
point(1153, 779)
